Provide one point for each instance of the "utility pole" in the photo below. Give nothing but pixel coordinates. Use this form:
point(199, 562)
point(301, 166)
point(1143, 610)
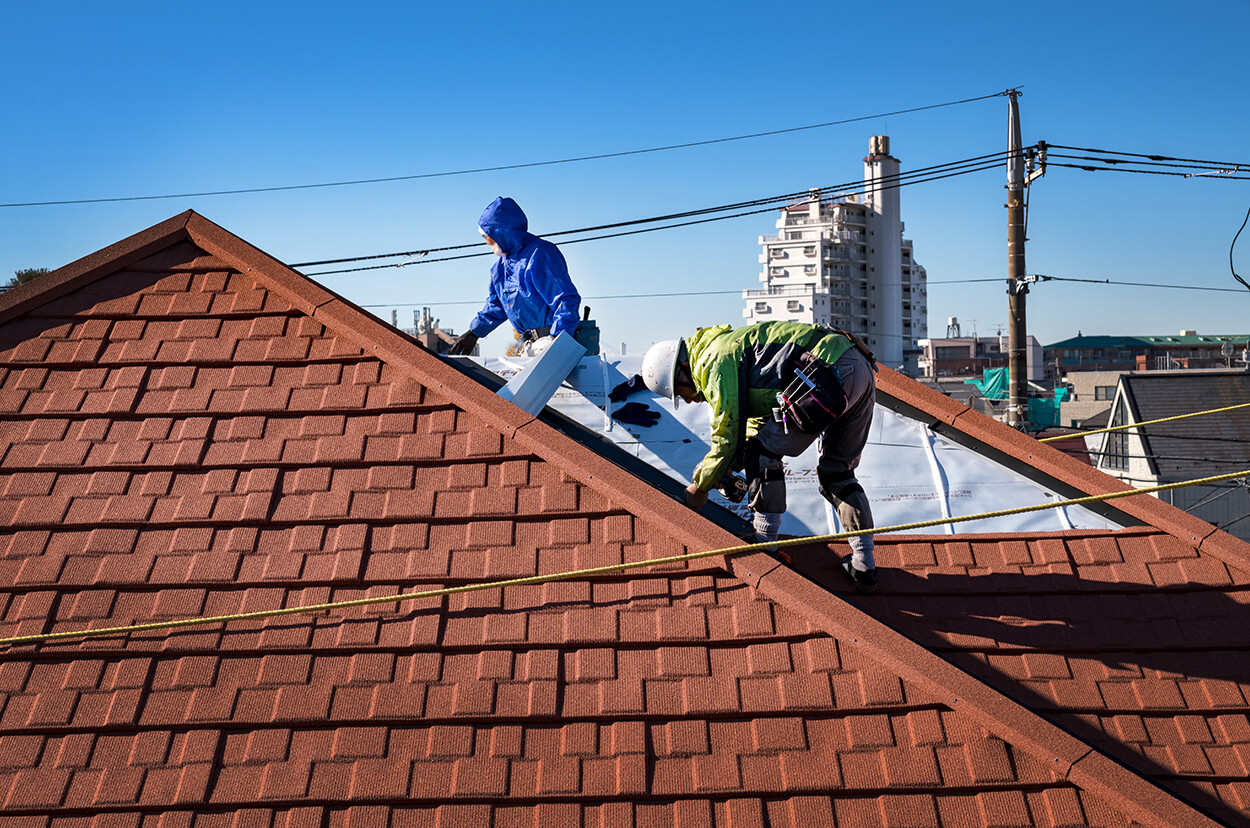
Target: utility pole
point(1017, 283)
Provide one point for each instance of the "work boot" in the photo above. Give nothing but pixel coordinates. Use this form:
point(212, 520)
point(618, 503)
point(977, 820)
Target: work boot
point(865, 580)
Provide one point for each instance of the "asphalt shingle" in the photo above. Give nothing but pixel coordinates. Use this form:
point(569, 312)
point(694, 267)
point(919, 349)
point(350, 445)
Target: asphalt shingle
point(193, 429)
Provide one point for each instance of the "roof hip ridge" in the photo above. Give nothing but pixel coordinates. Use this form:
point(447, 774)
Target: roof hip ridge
point(1066, 755)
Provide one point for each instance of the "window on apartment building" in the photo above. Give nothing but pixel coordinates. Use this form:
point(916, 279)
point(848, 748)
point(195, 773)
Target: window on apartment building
point(777, 271)
point(793, 305)
point(1104, 392)
point(809, 269)
point(761, 307)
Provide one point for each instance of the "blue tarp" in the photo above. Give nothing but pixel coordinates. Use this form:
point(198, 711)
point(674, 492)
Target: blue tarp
point(1043, 411)
point(994, 385)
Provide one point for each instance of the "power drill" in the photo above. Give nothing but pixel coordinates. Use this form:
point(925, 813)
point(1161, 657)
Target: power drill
point(733, 487)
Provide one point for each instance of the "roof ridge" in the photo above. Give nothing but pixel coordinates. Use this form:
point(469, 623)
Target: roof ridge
point(93, 266)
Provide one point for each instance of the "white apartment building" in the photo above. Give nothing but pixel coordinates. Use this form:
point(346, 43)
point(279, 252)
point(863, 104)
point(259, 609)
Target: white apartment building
point(845, 263)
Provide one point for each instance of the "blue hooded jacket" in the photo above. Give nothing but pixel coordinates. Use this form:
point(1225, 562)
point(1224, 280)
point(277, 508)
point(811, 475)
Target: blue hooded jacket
point(529, 284)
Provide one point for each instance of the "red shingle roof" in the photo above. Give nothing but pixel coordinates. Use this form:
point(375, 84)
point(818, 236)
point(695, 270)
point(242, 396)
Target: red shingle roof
point(190, 428)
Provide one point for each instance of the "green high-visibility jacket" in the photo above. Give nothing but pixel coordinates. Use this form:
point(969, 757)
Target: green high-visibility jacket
point(718, 357)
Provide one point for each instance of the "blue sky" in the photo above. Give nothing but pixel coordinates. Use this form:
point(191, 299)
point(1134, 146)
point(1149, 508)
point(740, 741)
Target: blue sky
point(140, 99)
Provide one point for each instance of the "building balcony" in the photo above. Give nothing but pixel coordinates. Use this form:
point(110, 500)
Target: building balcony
point(792, 221)
point(786, 290)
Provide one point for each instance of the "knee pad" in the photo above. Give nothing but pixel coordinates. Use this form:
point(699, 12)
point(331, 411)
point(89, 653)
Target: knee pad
point(838, 486)
point(772, 474)
point(764, 468)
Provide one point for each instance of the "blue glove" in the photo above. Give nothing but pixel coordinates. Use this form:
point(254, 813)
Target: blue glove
point(636, 413)
point(626, 388)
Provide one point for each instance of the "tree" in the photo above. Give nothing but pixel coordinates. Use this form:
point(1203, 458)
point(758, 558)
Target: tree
point(21, 277)
point(517, 344)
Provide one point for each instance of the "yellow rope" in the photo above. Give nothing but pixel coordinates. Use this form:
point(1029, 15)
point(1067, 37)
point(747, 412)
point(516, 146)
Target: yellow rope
point(598, 570)
point(1144, 423)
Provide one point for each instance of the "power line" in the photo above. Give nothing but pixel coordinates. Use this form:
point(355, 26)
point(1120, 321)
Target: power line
point(1111, 162)
point(796, 292)
point(1224, 528)
point(1228, 488)
point(1151, 157)
point(1114, 161)
point(1088, 168)
point(1099, 453)
point(250, 190)
point(1233, 245)
point(839, 191)
point(1140, 284)
point(836, 191)
point(584, 299)
point(1153, 436)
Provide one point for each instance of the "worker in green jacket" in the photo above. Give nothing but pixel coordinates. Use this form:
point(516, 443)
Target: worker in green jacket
point(774, 388)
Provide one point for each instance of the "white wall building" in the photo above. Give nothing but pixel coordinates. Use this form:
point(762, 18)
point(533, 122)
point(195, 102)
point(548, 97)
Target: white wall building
point(970, 356)
point(845, 263)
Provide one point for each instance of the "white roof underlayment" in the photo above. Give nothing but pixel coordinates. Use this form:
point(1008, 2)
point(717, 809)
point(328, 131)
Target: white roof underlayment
point(910, 473)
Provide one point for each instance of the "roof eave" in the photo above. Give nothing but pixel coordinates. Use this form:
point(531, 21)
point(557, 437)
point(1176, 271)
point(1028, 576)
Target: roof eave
point(84, 271)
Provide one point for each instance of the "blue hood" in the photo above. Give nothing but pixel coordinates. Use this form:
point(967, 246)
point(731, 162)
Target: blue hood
point(505, 222)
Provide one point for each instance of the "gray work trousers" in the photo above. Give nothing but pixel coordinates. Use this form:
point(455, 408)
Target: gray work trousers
point(841, 445)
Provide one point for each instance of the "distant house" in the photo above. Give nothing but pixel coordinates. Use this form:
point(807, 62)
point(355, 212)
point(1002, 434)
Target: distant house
point(1183, 449)
point(1187, 349)
point(1090, 396)
point(970, 356)
point(191, 428)
point(966, 393)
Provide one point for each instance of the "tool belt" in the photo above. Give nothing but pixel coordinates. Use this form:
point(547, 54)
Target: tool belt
point(534, 334)
point(813, 399)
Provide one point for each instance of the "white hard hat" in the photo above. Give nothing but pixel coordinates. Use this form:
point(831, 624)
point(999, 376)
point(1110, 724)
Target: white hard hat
point(659, 367)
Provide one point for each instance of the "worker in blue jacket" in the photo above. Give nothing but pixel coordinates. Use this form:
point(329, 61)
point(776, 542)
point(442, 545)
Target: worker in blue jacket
point(529, 284)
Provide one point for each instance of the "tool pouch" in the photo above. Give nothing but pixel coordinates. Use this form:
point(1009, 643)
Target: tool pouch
point(812, 409)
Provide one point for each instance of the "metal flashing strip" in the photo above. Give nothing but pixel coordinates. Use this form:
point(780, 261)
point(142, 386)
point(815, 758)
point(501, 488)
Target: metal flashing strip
point(531, 389)
point(939, 481)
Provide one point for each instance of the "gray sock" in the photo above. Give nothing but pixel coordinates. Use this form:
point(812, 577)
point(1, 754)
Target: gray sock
point(767, 527)
point(861, 553)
